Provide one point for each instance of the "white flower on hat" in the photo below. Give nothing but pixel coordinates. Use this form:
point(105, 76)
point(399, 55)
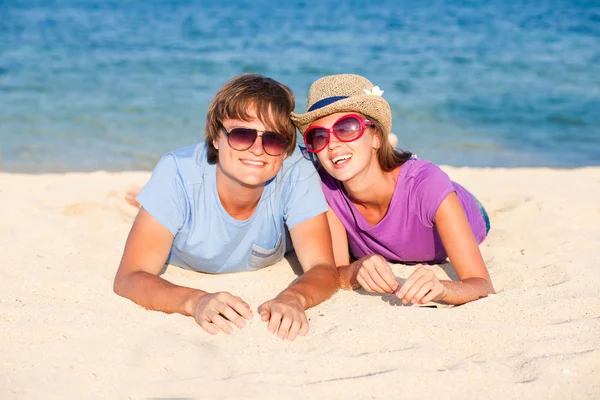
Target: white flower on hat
point(375, 91)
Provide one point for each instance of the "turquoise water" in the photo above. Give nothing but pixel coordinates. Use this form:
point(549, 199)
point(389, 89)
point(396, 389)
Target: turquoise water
point(87, 85)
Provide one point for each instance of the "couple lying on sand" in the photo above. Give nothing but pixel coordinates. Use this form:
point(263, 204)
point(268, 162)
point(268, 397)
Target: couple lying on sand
point(232, 202)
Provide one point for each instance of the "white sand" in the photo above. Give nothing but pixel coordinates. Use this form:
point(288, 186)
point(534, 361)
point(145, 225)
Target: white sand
point(65, 335)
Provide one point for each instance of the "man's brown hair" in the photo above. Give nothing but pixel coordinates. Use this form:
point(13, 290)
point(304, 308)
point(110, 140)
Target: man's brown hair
point(246, 96)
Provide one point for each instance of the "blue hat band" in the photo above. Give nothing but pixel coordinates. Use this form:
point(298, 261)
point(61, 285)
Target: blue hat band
point(325, 102)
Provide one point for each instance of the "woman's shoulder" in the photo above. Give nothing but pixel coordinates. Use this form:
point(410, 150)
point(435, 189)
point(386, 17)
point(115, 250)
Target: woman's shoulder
point(419, 168)
point(422, 173)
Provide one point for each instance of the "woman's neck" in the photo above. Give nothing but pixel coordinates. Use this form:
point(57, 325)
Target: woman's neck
point(372, 191)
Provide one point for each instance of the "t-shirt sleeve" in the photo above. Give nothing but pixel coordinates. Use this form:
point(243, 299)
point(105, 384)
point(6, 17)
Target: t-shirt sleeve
point(164, 196)
point(431, 187)
point(304, 197)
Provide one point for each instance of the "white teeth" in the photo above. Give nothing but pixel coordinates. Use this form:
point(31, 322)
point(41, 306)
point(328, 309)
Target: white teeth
point(253, 162)
point(339, 159)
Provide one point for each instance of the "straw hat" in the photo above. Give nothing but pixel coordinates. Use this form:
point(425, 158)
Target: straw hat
point(344, 93)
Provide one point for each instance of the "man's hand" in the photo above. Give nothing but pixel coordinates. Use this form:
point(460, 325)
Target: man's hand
point(285, 316)
point(216, 312)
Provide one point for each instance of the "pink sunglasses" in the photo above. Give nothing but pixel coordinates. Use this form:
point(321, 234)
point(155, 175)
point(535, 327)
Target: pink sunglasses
point(347, 129)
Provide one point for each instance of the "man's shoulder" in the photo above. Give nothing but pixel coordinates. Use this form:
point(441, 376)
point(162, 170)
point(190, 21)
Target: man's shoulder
point(296, 163)
point(189, 153)
point(188, 162)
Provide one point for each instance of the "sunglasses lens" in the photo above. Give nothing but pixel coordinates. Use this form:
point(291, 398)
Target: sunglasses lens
point(242, 138)
point(347, 129)
point(273, 143)
point(316, 139)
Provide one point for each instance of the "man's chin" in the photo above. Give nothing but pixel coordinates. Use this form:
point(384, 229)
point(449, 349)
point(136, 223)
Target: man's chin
point(254, 183)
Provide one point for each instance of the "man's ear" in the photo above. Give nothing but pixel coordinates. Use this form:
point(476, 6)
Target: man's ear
point(215, 143)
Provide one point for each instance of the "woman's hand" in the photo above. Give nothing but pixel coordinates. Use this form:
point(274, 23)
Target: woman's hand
point(216, 312)
point(421, 287)
point(375, 275)
point(285, 315)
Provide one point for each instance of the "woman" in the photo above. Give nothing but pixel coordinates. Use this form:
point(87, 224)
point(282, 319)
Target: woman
point(388, 206)
point(223, 205)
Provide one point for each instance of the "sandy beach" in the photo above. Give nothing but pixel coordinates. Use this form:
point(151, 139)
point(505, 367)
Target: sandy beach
point(65, 334)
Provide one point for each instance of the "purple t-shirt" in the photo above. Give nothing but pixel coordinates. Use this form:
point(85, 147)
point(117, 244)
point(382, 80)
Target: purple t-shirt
point(407, 233)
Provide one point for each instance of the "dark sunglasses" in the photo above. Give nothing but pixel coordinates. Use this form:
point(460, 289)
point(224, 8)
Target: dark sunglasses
point(347, 129)
point(240, 139)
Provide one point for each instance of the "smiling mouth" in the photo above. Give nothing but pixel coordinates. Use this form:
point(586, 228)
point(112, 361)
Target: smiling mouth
point(254, 163)
point(341, 159)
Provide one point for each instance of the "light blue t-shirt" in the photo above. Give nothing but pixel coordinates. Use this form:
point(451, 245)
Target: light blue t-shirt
point(182, 196)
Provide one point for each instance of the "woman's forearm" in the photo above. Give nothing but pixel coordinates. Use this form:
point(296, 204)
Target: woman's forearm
point(155, 293)
point(457, 292)
point(460, 292)
point(314, 286)
point(348, 274)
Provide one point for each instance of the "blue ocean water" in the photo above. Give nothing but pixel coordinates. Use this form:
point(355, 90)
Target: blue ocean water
point(87, 85)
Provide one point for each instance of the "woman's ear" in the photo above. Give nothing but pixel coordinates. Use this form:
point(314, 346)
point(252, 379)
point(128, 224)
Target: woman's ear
point(215, 143)
point(376, 140)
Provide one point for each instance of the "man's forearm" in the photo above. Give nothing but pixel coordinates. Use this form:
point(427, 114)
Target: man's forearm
point(314, 286)
point(155, 293)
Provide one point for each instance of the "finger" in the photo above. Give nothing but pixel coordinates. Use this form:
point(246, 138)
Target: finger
point(382, 285)
point(367, 282)
point(240, 306)
point(370, 272)
point(284, 327)
point(265, 311)
point(432, 295)
point(410, 282)
point(221, 323)
point(305, 325)
point(274, 321)
point(207, 326)
point(415, 288)
point(426, 288)
point(386, 273)
point(364, 284)
point(294, 330)
point(231, 315)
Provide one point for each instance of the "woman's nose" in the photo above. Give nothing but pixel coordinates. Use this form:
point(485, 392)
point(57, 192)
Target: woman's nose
point(334, 142)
